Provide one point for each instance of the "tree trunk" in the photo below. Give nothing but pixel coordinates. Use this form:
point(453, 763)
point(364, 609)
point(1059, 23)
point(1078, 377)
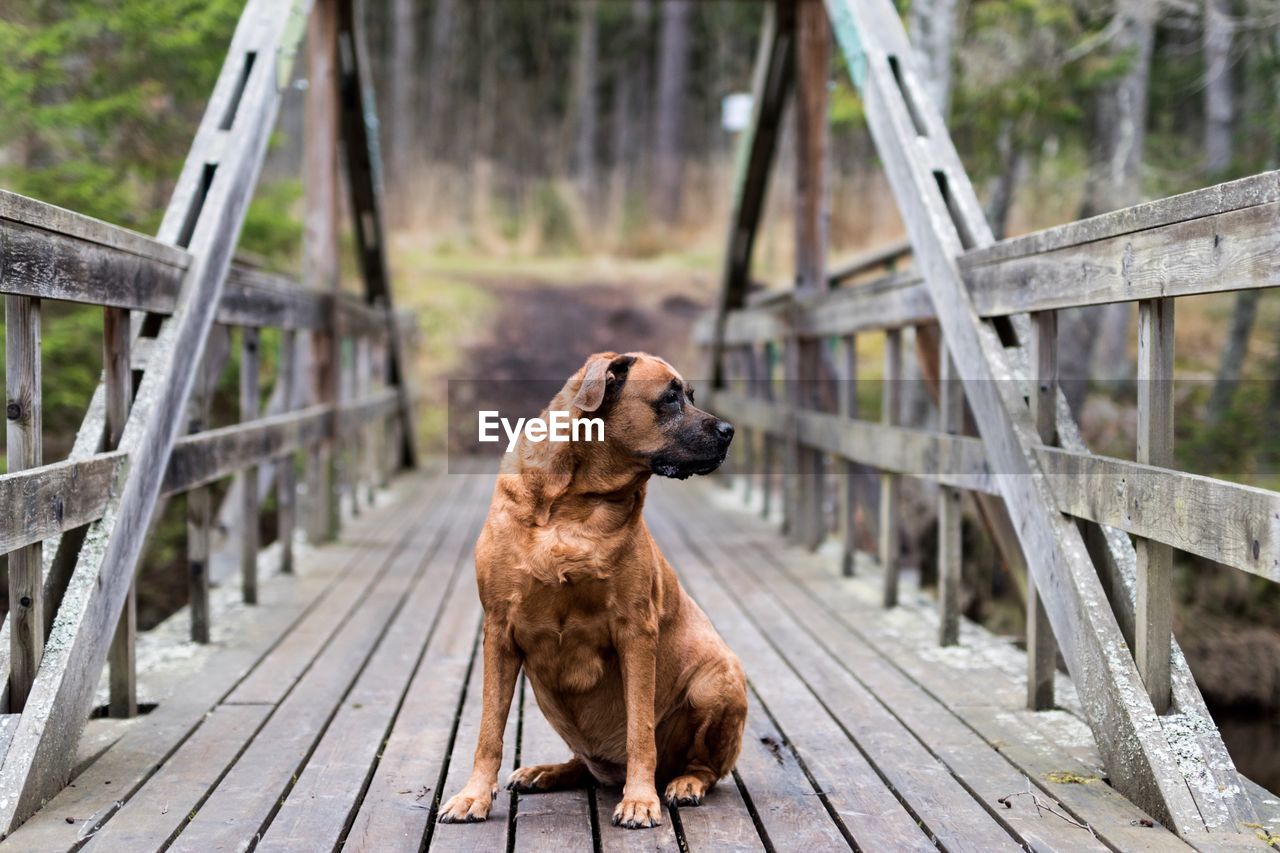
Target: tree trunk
point(673, 72)
point(630, 111)
point(402, 97)
point(588, 104)
point(1233, 354)
point(1006, 182)
point(1119, 116)
point(1117, 136)
point(1219, 104)
point(931, 25)
point(439, 75)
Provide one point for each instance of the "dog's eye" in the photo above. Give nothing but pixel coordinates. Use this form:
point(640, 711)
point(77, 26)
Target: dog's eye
point(672, 396)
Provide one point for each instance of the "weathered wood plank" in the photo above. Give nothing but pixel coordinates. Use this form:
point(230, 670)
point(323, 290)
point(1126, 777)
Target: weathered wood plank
point(783, 798)
point(176, 790)
point(1254, 191)
point(721, 822)
point(1228, 251)
point(241, 805)
point(848, 408)
point(213, 454)
point(328, 790)
point(117, 379)
point(409, 827)
point(558, 820)
point(250, 404)
point(74, 258)
point(1154, 610)
point(123, 769)
point(1042, 649)
point(1226, 522)
point(890, 416)
point(24, 449)
point(868, 261)
point(950, 515)
point(286, 472)
point(276, 674)
point(55, 497)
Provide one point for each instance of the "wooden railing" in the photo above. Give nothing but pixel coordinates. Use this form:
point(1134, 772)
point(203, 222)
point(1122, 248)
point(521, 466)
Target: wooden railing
point(172, 306)
point(1094, 534)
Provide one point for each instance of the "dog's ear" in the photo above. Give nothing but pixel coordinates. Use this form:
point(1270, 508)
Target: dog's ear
point(601, 372)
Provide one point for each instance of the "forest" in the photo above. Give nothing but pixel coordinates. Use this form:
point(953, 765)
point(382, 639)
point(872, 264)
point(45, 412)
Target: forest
point(542, 139)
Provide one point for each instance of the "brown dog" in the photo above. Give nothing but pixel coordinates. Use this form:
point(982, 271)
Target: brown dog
point(625, 666)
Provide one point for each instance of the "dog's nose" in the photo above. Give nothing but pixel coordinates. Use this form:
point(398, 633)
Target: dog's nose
point(724, 429)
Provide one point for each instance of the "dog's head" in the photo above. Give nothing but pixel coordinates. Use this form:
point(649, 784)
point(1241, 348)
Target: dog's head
point(650, 420)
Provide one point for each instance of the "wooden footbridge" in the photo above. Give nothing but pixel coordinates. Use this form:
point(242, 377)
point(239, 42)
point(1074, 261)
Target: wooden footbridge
point(324, 695)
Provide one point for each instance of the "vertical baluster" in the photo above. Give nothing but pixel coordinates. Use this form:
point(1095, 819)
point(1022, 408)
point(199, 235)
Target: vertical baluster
point(24, 449)
point(250, 403)
point(1042, 650)
point(323, 524)
point(360, 438)
point(200, 500)
point(286, 475)
point(1155, 447)
point(748, 437)
point(768, 485)
point(387, 449)
point(789, 463)
point(848, 400)
point(320, 249)
point(117, 380)
point(373, 428)
point(890, 415)
point(950, 550)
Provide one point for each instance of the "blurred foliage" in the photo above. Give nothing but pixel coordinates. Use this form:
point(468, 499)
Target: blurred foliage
point(100, 99)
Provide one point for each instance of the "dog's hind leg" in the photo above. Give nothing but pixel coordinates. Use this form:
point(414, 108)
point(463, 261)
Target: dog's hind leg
point(539, 778)
point(718, 715)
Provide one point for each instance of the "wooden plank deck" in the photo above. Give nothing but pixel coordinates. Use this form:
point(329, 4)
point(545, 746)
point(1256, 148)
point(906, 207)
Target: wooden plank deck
point(335, 714)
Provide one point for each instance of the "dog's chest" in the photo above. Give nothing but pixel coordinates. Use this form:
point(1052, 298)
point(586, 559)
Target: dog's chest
point(565, 638)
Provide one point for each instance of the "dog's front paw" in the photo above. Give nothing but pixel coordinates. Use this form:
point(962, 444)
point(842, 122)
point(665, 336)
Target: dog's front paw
point(467, 807)
point(641, 812)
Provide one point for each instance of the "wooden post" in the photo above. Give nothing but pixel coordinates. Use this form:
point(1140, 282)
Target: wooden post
point(320, 248)
point(117, 378)
point(774, 69)
point(1042, 649)
point(748, 437)
point(286, 477)
point(848, 402)
point(200, 500)
point(363, 167)
point(813, 66)
point(890, 415)
point(769, 450)
point(1155, 447)
point(26, 565)
point(950, 548)
point(250, 404)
